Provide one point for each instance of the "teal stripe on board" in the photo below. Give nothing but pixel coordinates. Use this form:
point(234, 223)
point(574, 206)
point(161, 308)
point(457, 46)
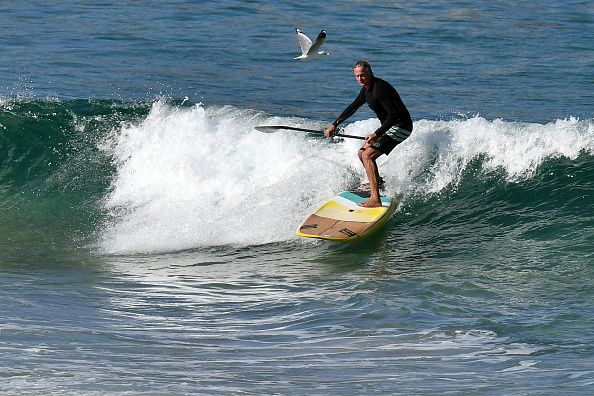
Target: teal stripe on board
point(357, 198)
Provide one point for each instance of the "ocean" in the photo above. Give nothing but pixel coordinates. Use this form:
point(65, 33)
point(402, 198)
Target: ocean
point(148, 232)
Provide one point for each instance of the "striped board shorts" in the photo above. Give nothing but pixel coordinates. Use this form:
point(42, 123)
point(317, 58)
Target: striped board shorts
point(393, 137)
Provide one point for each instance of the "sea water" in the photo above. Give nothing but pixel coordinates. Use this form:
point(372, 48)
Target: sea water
point(147, 230)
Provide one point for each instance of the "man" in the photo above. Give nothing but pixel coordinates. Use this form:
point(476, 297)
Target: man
point(396, 124)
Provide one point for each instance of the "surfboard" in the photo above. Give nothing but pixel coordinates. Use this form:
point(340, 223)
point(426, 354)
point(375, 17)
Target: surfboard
point(341, 219)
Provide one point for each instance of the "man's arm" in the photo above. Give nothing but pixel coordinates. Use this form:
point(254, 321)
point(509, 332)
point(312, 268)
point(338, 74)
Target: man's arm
point(351, 109)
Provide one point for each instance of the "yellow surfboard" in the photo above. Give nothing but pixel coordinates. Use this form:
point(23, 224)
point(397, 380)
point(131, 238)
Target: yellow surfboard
point(341, 219)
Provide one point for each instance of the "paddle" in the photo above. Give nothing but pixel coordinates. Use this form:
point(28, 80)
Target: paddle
point(273, 128)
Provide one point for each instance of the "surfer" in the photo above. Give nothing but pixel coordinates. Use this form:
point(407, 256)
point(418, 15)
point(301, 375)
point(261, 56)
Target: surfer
point(396, 124)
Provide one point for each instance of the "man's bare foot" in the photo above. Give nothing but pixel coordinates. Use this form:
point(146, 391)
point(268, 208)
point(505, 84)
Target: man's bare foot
point(370, 204)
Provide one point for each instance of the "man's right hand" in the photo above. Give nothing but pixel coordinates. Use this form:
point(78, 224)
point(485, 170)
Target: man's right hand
point(329, 132)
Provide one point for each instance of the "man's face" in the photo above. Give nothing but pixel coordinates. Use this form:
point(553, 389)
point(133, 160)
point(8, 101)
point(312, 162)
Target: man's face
point(363, 77)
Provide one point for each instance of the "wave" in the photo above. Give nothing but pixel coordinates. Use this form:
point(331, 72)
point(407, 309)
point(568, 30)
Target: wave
point(53, 176)
point(169, 175)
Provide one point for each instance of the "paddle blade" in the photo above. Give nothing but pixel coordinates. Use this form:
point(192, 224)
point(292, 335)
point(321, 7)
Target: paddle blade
point(267, 128)
point(275, 128)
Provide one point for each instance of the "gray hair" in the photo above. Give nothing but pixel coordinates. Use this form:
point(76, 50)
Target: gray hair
point(365, 65)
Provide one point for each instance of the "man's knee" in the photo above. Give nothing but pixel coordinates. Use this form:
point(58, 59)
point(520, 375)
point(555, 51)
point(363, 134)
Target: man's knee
point(361, 152)
point(366, 153)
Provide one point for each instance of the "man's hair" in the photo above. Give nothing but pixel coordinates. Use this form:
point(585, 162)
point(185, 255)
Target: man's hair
point(365, 65)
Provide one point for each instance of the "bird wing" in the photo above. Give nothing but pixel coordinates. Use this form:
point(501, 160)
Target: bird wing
point(304, 41)
point(318, 43)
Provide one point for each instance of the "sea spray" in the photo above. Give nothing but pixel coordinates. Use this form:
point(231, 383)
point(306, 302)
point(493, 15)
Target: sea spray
point(203, 176)
point(438, 152)
point(198, 176)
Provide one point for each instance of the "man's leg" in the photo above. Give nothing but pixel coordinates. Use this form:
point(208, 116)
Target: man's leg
point(368, 155)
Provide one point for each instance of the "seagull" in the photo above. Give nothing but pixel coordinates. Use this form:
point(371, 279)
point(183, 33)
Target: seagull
point(309, 50)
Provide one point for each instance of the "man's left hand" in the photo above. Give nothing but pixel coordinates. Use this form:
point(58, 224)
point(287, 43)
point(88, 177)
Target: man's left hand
point(371, 138)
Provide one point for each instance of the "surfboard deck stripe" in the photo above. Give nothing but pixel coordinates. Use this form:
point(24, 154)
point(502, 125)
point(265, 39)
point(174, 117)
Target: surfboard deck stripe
point(341, 219)
point(351, 199)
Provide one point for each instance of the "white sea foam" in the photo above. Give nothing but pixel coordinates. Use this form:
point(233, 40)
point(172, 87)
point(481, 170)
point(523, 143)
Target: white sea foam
point(195, 177)
point(191, 177)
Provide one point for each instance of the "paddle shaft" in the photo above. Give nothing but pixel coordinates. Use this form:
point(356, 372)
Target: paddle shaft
point(270, 128)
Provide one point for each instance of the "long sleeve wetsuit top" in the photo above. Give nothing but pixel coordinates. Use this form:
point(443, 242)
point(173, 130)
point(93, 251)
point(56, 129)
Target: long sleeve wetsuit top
point(385, 101)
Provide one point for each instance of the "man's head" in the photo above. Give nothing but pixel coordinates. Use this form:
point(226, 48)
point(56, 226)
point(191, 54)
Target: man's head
point(363, 73)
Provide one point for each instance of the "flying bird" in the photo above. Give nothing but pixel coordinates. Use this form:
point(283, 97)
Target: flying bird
point(310, 51)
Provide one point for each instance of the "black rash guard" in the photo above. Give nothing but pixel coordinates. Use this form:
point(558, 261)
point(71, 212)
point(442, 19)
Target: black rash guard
point(384, 100)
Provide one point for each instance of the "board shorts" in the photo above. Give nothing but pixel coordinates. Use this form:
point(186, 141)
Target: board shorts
point(392, 138)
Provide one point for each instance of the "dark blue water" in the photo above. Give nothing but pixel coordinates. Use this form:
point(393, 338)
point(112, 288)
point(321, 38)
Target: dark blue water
point(147, 230)
point(501, 60)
